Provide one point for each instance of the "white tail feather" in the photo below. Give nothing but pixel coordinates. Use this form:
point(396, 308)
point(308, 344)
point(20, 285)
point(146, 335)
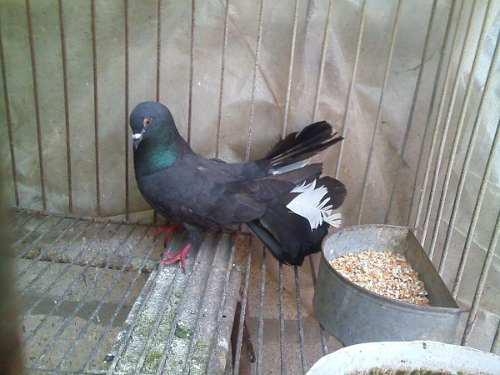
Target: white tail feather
point(311, 204)
point(290, 167)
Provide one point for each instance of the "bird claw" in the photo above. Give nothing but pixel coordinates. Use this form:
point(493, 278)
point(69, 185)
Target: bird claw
point(180, 257)
point(169, 231)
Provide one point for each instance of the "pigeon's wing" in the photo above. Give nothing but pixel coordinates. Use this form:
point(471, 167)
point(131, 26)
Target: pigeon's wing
point(246, 200)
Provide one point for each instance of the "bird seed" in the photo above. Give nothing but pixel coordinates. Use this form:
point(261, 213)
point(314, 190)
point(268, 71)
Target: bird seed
point(385, 273)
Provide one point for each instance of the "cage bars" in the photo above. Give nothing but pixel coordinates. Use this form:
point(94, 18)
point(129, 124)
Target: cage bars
point(361, 30)
point(221, 80)
point(36, 104)
point(409, 123)
point(447, 123)
point(290, 71)
point(254, 81)
point(470, 234)
point(435, 134)
point(66, 104)
point(9, 122)
point(458, 133)
point(378, 119)
point(324, 48)
point(431, 106)
point(462, 179)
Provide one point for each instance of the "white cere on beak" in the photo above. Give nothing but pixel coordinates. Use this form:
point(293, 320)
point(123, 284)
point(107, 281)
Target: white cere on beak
point(136, 136)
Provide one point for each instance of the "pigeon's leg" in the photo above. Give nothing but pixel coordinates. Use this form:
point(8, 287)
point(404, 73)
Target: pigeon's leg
point(195, 239)
point(169, 231)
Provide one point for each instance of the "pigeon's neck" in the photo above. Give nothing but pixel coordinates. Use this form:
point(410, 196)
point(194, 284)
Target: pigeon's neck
point(158, 152)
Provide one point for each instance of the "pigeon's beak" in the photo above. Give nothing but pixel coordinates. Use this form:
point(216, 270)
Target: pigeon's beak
point(136, 139)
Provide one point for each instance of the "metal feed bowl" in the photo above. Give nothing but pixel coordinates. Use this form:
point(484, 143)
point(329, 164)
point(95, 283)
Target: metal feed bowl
point(355, 315)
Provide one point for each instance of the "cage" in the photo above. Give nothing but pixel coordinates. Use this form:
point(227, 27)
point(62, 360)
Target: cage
point(412, 86)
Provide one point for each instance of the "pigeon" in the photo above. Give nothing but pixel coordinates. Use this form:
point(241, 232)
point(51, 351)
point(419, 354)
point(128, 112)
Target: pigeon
point(282, 197)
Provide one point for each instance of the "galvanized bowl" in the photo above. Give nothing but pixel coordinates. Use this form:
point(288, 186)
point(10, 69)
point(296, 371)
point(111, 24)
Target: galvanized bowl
point(414, 357)
point(355, 315)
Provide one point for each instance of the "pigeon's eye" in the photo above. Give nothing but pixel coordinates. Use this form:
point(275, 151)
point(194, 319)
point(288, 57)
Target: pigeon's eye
point(147, 121)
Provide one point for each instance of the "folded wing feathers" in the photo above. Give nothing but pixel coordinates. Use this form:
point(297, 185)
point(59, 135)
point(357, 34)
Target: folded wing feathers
point(311, 204)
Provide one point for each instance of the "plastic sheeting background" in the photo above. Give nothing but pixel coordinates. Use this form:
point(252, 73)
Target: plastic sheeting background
point(395, 77)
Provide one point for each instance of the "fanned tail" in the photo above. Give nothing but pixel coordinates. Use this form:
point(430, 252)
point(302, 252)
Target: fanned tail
point(295, 227)
point(294, 151)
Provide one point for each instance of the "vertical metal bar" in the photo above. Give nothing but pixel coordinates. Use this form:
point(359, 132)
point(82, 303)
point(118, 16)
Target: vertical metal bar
point(432, 101)
point(244, 299)
point(300, 323)
point(444, 136)
point(221, 82)
point(324, 347)
point(191, 69)
point(290, 70)
point(361, 30)
point(436, 126)
point(412, 107)
point(9, 122)
point(495, 339)
point(482, 280)
point(158, 48)
point(394, 33)
point(127, 88)
point(158, 62)
point(283, 364)
point(476, 212)
point(36, 104)
point(458, 133)
point(260, 328)
point(96, 109)
point(465, 167)
point(324, 48)
point(254, 82)
point(66, 106)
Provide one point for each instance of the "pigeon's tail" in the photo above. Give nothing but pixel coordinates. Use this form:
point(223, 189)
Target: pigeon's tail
point(297, 148)
point(295, 227)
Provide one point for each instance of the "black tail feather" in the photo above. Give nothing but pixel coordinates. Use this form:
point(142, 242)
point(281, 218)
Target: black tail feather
point(302, 145)
point(289, 236)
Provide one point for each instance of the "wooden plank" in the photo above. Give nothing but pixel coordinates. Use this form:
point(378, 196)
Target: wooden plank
point(142, 67)
point(77, 25)
point(21, 103)
point(47, 49)
point(110, 59)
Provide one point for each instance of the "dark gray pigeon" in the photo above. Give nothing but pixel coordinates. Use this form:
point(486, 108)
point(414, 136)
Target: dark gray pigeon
point(283, 200)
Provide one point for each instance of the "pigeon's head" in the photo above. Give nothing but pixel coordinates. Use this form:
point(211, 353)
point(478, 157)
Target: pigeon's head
point(151, 120)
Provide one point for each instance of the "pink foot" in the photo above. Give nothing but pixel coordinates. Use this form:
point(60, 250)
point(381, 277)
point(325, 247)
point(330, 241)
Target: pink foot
point(180, 257)
point(169, 231)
